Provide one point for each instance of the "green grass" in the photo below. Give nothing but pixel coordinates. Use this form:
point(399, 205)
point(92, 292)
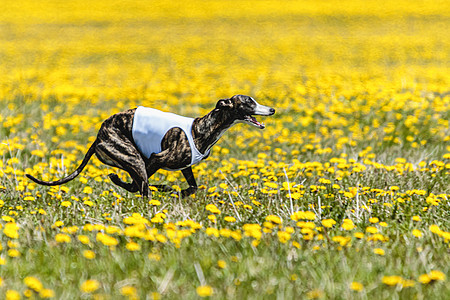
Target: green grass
point(272, 269)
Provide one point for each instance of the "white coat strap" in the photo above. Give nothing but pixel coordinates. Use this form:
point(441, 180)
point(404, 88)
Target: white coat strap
point(150, 126)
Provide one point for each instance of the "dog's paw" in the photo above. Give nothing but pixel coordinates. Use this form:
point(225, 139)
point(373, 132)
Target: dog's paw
point(189, 191)
point(113, 176)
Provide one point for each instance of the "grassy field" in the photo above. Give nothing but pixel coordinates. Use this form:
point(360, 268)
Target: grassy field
point(344, 195)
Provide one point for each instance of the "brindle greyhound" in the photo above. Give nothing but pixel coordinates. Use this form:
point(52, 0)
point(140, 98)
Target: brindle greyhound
point(116, 147)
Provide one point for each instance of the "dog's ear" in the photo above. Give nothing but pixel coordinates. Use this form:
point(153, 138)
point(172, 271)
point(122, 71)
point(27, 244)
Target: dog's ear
point(224, 103)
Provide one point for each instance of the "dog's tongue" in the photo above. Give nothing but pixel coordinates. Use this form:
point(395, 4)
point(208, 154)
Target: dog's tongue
point(253, 119)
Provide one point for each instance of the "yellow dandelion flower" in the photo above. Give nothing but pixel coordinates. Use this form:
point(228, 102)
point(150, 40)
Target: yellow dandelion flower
point(348, 224)
point(28, 293)
point(213, 209)
point(129, 291)
point(10, 230)
point(378, 251)
point(328, 223)
point(212, 218)
point(90, 286)
point(417, 233)
point(13, 253)
point(289, 229)
point(424, 278)
point(12, 295)
point(65, 189)
point(154, 202)
point(221, 264)
point(225, 232)
point(407, 283)
point(436, 275)
point(66, 203)
point(89, 254)
point(315, 294)
point(136, 218)
point(341, 240)
point(161, 238)
point(46, 293)
point(106, 239)
point(374, 220)
point(88, 203)
point(62, 238)
point(154, 256)
point(12, 244)
point(371, 229)
point(435, 229)
point(87, 190)
point(7, 219)
point(296, 245)
point(283, 236)
point(392, 280)
point(204, 291)
point(212, 231)
point(84, 239)
point(58, 224)
point(33, 283)
point(274, 219)
point(223, 186)
point(252, 230)
point(230, 219)
point(132, 246)
point(356, 286)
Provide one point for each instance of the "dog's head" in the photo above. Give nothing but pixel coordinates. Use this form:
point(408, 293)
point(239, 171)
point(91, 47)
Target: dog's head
point(242, 108)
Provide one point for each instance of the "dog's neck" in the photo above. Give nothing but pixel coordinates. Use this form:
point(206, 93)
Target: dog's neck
point(207, 130)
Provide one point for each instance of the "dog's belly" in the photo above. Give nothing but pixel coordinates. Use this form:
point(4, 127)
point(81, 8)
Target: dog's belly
point(179, 169)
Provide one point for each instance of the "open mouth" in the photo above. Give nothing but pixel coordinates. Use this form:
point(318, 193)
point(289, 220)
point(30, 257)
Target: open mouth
point(252, 121)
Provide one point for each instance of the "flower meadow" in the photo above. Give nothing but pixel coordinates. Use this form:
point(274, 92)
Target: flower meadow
point(344, 195)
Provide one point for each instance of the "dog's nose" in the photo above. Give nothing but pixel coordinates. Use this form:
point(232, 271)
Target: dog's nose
point(272, 111)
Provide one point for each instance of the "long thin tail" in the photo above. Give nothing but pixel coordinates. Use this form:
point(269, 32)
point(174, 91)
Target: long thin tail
point(86, 158)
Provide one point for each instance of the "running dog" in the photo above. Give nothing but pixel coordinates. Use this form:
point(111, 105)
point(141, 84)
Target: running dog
point(143, 140)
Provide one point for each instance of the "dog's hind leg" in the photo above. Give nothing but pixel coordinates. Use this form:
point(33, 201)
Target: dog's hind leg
point(122, 154)
point(131, 187)
point(139, 176)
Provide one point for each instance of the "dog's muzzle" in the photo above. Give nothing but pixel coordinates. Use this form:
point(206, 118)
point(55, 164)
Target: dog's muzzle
point(260, 110)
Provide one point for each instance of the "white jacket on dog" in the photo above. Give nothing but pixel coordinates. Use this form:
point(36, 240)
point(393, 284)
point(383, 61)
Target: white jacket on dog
point(150, 125)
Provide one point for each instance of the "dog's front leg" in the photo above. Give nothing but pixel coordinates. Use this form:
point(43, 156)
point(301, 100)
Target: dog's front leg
point(191, 181)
